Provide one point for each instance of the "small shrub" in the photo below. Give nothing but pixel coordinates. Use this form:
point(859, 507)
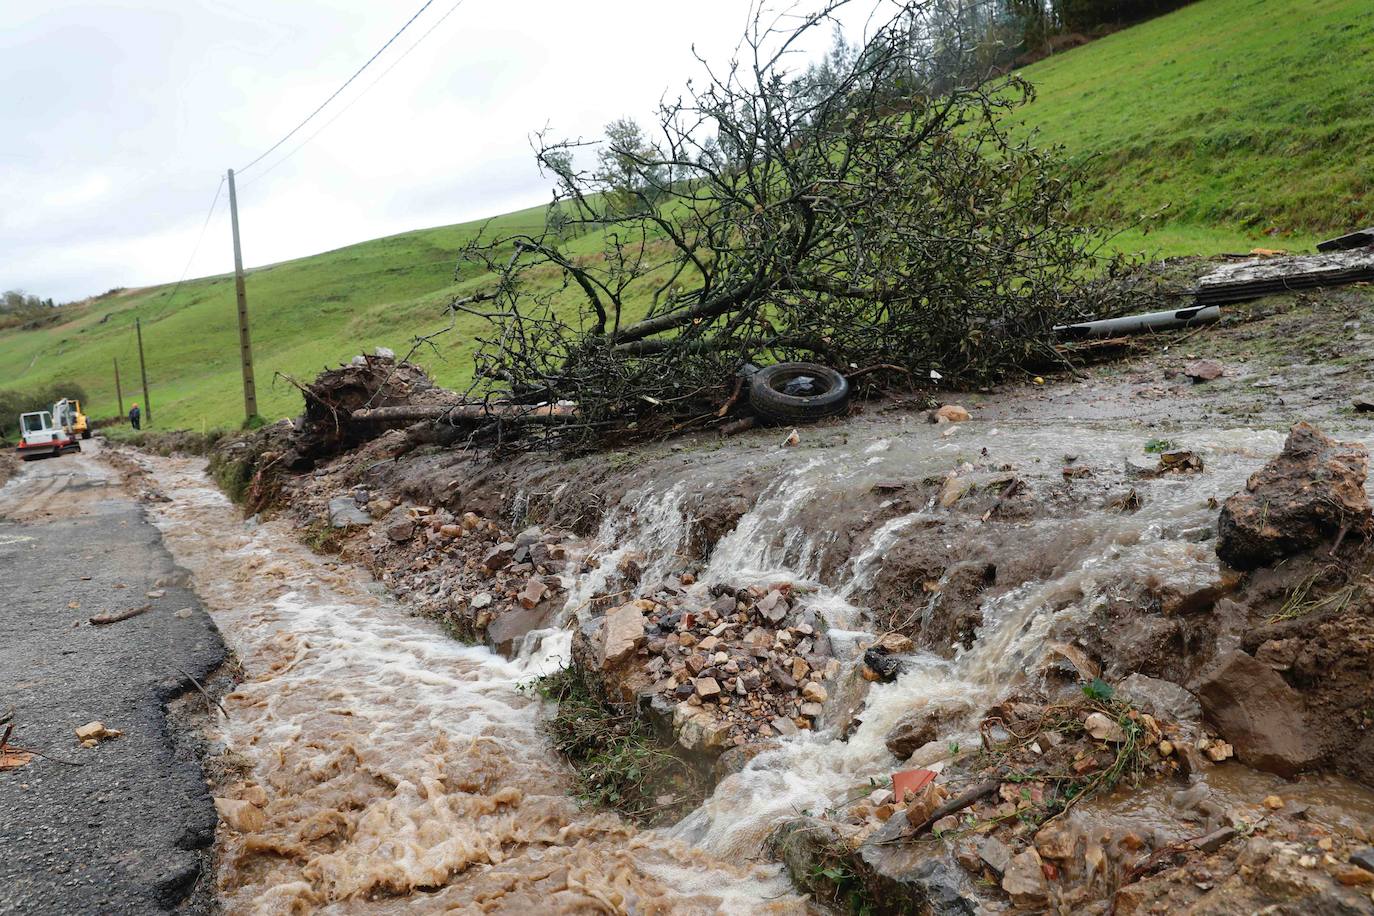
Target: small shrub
point(619, 761)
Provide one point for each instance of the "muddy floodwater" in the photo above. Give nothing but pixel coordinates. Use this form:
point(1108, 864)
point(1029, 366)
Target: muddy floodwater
point(397, 770)
point(387, 768)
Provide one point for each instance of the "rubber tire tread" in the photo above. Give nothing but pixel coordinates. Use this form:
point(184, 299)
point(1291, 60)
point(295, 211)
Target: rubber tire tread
point(772, 404)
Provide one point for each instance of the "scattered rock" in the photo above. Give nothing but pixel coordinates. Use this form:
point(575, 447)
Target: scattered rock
point(533, 592)
point(96, 732)
point(1354, 876)
point(773, 606)
point(1103, 728)
point(920, 727)
point(953, 490)
point(1163, 699)
point(1057, 840)
point(1203, 370)
point(1364, 858)
point(1024, 880)
point(400, 528)
point(1258, 713)
point(707, 688)
point(623, 633)
point(995, 855)
point(950, 413)
point(1307, 494)
point(499, 556)
point(1216, 839)
point(1180, 461)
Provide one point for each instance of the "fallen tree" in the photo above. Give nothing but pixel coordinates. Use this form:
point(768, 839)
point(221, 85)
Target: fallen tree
point(864, 219)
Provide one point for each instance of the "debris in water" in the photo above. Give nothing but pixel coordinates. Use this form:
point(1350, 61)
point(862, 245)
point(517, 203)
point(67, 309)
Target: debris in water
point(910, 782)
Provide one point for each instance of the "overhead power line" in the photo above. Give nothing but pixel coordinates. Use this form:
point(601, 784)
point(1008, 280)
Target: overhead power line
point(336, 92)
point(200, 238)
point(353, 101)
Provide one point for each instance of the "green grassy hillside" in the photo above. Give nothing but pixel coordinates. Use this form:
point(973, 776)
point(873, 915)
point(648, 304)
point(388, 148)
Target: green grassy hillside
point(1244, 117)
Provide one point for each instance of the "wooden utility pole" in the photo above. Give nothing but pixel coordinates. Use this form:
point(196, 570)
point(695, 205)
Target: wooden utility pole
point(143, 371)
point(250, 393)
point(119, 391)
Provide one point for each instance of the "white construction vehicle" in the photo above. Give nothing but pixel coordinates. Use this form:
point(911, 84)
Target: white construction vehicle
point(40, 437)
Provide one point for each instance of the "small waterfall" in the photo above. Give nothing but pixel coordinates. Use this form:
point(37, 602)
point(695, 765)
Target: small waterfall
point(814, 771)
point(767, 544)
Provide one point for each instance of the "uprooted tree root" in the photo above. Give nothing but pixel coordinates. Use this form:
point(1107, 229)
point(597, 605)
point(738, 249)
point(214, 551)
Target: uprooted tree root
point(619, 760)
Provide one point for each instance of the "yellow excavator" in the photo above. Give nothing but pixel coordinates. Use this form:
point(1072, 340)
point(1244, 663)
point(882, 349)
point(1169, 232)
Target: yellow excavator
point(67, 413)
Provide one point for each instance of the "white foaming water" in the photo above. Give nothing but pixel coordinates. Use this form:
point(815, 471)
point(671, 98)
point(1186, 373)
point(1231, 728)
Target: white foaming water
point(391, 759)
point(814, 772)
point(767, 544)
point(652, 526)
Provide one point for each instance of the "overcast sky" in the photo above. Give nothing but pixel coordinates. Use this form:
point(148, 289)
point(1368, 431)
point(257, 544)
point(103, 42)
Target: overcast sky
point(119, 118)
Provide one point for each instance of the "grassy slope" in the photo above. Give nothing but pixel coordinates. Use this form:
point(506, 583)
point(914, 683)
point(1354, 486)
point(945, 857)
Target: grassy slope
point(1241, 115)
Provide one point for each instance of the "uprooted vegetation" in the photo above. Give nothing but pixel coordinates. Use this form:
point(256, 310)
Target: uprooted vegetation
point(874, 221)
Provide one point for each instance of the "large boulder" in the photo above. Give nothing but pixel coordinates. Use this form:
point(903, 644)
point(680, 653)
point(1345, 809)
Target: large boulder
point(1259, 714)
point(1313, 489)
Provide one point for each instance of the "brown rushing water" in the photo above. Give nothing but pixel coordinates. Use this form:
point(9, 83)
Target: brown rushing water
point(403, 772)
point(400, 771)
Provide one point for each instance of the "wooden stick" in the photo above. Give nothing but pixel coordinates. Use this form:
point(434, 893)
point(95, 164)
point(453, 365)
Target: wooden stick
point(405, 413)
point(117, 616)
point(208, 699)
point(979, 791)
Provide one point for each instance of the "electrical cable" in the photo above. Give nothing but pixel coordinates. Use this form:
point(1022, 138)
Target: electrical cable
point(200, 238)
point(353, 101)
point(336, 92)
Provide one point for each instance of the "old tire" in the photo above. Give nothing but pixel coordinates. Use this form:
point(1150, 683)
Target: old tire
point(767, 393)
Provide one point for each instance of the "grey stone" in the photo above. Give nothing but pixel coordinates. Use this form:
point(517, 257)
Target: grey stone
point(1160, 698)
point(344, 511)
point(995, 855)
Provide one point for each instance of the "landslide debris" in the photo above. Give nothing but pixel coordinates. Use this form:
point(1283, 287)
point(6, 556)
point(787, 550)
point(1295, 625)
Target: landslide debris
point(1312, 492)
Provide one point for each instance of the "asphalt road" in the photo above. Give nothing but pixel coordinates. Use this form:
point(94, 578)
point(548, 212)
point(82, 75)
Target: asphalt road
point(128, 830)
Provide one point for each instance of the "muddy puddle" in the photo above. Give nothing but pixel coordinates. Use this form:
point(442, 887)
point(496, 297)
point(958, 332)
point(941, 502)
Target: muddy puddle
point(388, 769)
point(391, 769)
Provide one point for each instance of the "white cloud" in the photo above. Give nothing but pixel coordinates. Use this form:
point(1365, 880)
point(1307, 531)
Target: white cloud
point(124, 117)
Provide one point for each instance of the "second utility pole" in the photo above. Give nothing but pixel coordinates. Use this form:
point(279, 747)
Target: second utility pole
point(250, 394)
point(119, 391)
point(143, 372)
